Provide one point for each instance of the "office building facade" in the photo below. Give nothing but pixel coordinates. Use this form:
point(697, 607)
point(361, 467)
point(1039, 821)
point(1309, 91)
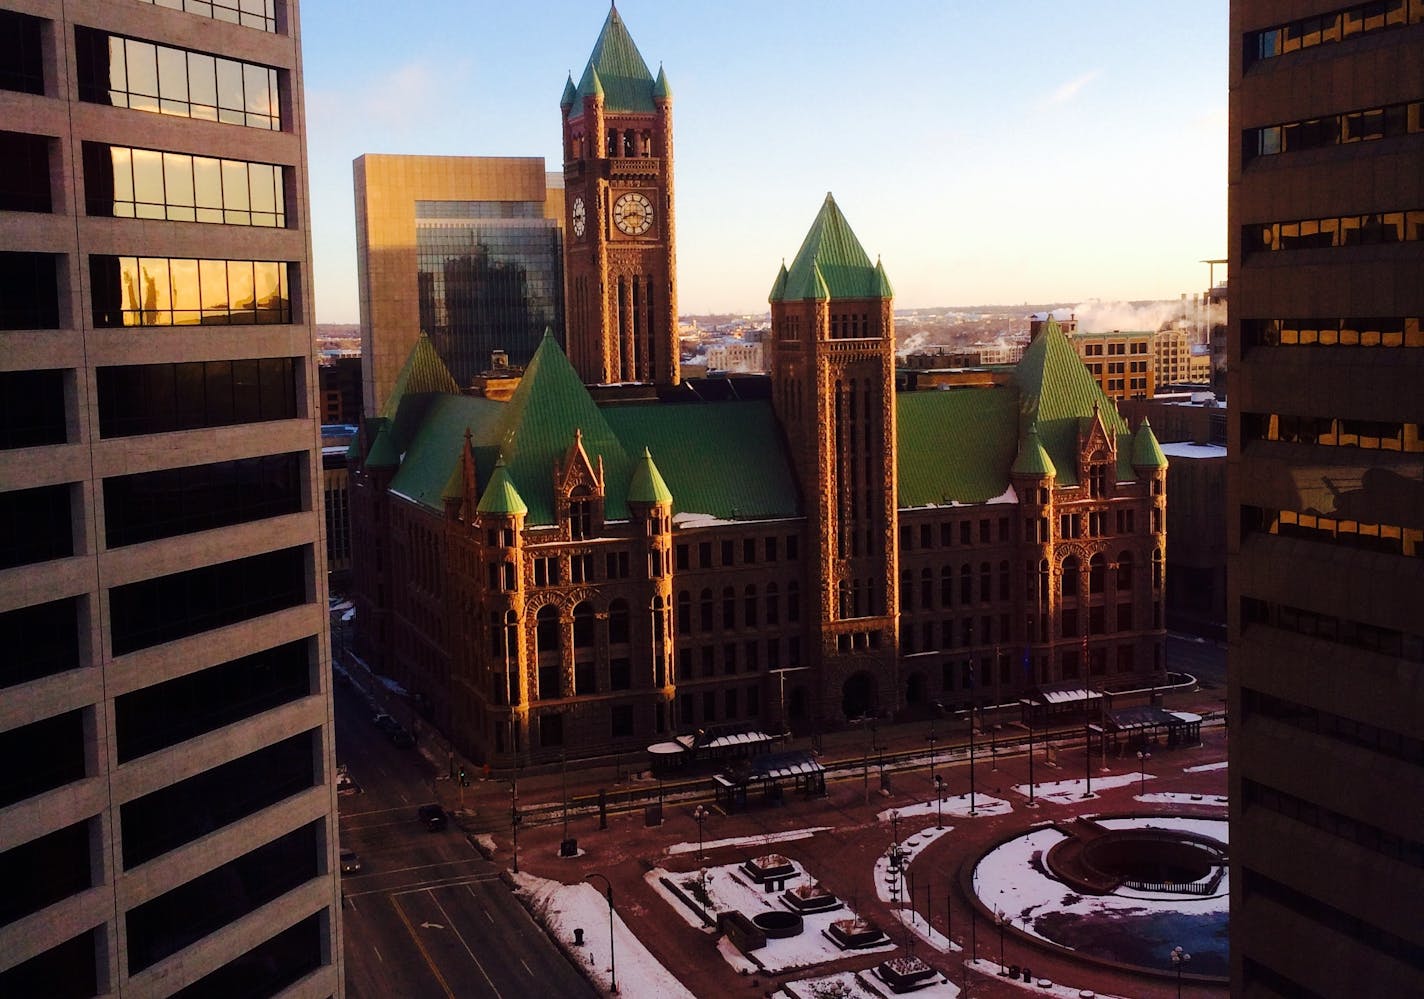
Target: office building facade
point(167, 811)
point(1123, 364)
point(1326, 497)
point(468, 250)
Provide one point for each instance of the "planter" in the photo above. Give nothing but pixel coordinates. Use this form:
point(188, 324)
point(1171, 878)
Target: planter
point(851, 934)
point(905, 974)
point(778, 924)
point(769, 867)
point(811, 898)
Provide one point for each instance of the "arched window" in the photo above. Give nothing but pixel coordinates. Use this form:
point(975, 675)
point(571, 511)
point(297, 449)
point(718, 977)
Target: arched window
point(1097, 568)
point(986, 583)
point(773, 604)
point(1070, 578)
point(1124, 571)
point(966, 584)
point(618, 622)
point(1003, 580)
point(729, 608)
point(1043, 584)
point(580, 514)
point(927, 589)
point(546, 631)
point(1156, 568)
point(907, 592)
point(583, 626)
point(946, 587)
point(704, 610)
point(749, 607)
point(793, 602)
point(684, 613)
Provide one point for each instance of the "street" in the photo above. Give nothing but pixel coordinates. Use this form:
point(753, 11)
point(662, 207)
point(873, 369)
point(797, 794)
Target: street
point(426, 915)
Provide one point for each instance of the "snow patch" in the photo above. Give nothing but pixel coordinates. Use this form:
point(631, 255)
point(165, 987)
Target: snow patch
point(758, 840)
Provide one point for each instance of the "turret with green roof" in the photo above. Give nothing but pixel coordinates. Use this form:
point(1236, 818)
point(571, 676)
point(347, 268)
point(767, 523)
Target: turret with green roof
point(831, 264)
point(501, 498)
point(617, 73)
point(648, 485)
point(1032, 460)
point(1146, 452)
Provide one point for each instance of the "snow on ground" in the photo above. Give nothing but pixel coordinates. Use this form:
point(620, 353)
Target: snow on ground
point(910, 848)
point(1066, 792)
point(956, 805)
point(1050, 989)
point(729, 887)
point(1009, 879)
point(1175, 798)
point(1205, 767)
point(860, 985)
point(761, 840)
point(563, 908)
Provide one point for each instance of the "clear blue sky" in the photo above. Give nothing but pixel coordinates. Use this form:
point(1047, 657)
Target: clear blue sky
point(1020, 151)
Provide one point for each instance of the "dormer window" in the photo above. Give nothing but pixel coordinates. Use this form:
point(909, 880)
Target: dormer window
point(580, 514)
point(1098, 480)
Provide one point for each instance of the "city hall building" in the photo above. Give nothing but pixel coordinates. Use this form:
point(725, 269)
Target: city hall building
point(609, 556)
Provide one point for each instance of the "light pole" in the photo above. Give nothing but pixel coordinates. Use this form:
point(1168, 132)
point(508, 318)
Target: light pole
point(972, 809)
point(939, 801)
point(700, 814)
point(514, 816)
point(1088, 757)
point(1000, 918)
point(612, 958)
point(932, 739)
point(1142, 757)
point(1179, 958)
point(1031, 802)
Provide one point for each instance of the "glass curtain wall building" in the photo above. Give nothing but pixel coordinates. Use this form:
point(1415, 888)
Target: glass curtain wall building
point(491, 278)
point(167, 806)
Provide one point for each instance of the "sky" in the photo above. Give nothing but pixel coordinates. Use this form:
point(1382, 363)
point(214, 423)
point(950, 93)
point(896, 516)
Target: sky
point(1013, 152)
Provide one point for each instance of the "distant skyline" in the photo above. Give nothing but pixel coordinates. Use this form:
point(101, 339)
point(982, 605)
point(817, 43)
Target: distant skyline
point(1025, 152)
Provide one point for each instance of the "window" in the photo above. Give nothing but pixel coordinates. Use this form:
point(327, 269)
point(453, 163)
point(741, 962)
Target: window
point(24, 185)
point(583, 625)
point(704, 554)
point(546, 571)
point(29, 291)
point(123, 182)
point(580, 514)
point(616, 565)
point(580, 568)
point(729, 703)
point(260, 14)
point(771, 549)
point(163, 291)
point(620, 674)
point(729, 608)
point(729, 659)
point(773, 604)
point(749, 607)
point(21, 53)
point(169, 502)
point(1124, 570)
point(169, 607)
point(66, 969)
point(684, 613)
point(1323, 29)
point(129, 73)
point(1069, 588)
point(1097, 569)
point(35, 525)
point(45, 870)
point(618, 622)
point(621, 718)
point(39, 640)
point(1347, 230)
point(682, 557)
point(727, 550)
point(1350, 332)
point(793, 602)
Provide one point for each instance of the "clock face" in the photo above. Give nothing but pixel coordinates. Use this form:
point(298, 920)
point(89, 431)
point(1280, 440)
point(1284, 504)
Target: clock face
point(580, 217)
point(633, 214)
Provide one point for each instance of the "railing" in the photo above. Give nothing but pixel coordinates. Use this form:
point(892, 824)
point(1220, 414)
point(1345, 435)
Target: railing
point(629, 166)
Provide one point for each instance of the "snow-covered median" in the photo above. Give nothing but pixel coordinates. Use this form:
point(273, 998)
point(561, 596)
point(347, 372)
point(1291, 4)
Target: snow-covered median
point(563, 908)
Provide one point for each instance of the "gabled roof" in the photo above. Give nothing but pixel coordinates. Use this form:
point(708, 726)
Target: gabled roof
point(431, 440)
point(648, 485)
point(831, 263)
point(538, 425)
point(1146, 452)
point(955, 447)
point(1056, 392)
point(618, 66)
point(500, 496)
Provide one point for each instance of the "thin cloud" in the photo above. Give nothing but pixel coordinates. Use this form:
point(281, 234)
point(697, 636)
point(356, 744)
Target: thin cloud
point(1067, 91)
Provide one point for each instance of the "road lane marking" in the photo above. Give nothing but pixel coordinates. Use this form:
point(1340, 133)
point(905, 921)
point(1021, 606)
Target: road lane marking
point(377, 952)
point(373, 811)
point(421, 947)
point(461, 937)
point(418, 886)
point(418, 867)
point(526, 967)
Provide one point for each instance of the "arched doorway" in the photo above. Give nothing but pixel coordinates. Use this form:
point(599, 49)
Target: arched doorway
point(858, 696)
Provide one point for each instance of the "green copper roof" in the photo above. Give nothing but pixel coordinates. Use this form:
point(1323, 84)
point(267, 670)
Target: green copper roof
point(538, 426)
point(619, 68)
point(724, 460)
point(778, 287)
point(423, 371)
point(1032, 458)
point(500, 495)
point(567, 100)
point(661, 90)
point(648, 485)
point(1056, 392)
point(955, 447)
point(1146, 452)
point(431, 448)
point(831, 263)
point(882, 281)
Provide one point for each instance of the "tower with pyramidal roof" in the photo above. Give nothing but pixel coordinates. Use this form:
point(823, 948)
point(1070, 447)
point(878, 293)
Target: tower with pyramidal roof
point(619, 254)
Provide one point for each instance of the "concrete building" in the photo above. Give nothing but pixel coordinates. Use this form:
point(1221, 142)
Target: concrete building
point(467, 249)
point(1172, 356)
point(587, 569)
point(1326, 497)
point(167, 806)
point(1121, 363)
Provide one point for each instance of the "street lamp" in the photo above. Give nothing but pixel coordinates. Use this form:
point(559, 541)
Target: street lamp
point(1142, 757)
point(514, 816)
point(1001, 918)
point(612, 959)
point(932, 739)
point(939, 801)
point(1179, 958)
point(700, 814)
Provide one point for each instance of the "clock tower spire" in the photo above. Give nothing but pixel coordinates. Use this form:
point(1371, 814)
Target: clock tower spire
point(619, 251)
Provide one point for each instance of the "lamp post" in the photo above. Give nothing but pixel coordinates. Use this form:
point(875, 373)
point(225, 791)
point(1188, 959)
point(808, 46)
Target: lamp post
point(939, 801)
point(700, 814)
point(1031, 802)
point(972, 809)
point(612, 958)
point(1088, 758)
point(1000, 918)
point(1142, 757)
point(514, 816)
point(1179, 958)
point(932, 739)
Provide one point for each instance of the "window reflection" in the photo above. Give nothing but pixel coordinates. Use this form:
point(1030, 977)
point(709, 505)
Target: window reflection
point(142, 183)
point(159, 291)
point(1353, 332)
point(126, 72)
point(259, 14)
point(1321, 29)
point(1349, 230)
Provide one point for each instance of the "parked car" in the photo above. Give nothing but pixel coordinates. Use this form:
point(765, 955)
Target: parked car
point(433, 816)
point(350, 861)
point(385, 722)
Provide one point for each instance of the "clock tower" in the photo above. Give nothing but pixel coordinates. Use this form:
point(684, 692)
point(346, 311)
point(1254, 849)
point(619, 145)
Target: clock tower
point(619, 256)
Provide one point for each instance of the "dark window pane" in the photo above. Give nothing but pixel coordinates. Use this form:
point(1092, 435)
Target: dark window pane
point(29, 291)
point(35, 525)
point(31, 409)
point(267, 968)
point(43, 871)
point(176, 710)
point(24, 181)
point(68, 971)
point(21, 56)
point(159, 398)
point(41, 756)
point(39, 641)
